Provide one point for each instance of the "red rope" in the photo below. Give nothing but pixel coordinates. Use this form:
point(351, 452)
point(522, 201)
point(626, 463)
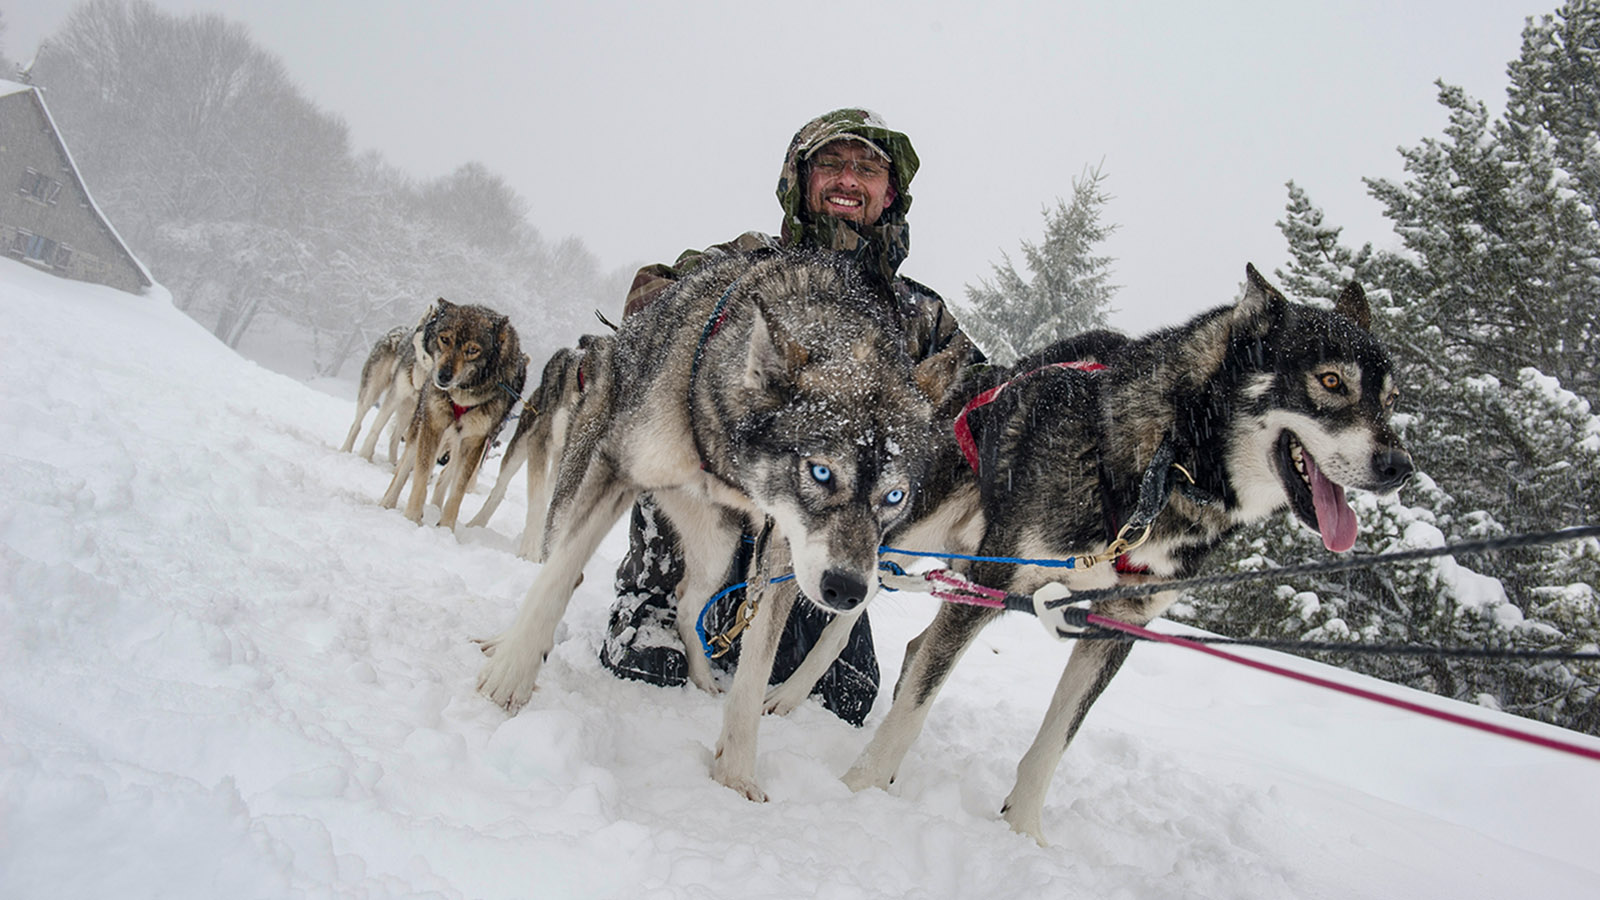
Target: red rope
point(1363, 693)
point(968, 592)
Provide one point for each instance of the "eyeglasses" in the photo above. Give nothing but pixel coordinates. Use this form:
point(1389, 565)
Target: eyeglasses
point(864, 168)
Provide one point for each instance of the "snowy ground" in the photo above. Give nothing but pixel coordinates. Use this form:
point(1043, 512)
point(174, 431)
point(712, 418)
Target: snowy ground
point(225, 672)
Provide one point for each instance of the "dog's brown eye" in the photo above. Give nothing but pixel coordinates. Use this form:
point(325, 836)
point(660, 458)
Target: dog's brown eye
point(444, 340)
point(1332, 381)
point(1391, 400)
point(471, 350)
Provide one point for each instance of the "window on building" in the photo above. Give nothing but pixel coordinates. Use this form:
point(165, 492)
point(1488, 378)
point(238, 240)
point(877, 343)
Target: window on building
point(39, 186)
point(41, 249)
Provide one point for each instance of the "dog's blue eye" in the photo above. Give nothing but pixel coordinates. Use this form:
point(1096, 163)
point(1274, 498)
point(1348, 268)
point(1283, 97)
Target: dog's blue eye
point(894, 497)
point(821, 473)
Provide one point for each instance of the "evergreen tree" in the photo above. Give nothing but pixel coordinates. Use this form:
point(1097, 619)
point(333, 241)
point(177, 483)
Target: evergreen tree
point(1068, 290)
point(1319, 265)
point(8, 69)
point(1554, 84)
point(1553, 120)
point(1491, 313)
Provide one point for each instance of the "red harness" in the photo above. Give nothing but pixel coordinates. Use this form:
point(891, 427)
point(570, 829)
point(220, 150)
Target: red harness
point(969, 445)
point(964, 439)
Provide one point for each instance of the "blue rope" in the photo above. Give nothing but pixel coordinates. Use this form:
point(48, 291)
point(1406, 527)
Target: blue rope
point(1016, 560)
point(700, 621)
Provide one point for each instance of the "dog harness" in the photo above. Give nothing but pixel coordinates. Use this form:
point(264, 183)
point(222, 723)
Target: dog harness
point(1154, 487)
point(719, 314)
point(964, 438)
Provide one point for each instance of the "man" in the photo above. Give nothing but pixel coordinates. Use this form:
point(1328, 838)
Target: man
point(843, 187)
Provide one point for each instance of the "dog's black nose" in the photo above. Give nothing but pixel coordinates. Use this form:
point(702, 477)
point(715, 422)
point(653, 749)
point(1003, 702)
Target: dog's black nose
point(842, 591)
point(1392, 468)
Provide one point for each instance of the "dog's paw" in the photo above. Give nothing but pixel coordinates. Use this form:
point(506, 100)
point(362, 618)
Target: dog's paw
point(782, 700)
point(737, 772)
point(508, 679)
point(700, 675)
point(859, 779)
point(739, 784)
point(1023, 823)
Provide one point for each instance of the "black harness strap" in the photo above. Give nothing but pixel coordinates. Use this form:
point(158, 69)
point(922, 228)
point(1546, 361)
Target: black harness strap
point(719, 314)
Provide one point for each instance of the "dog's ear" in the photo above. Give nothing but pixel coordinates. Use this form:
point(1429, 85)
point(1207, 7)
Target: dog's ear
point(506, 345)
point(770, 360)
point(938, 373)
point(436, 309)
point(1352, 303)
point(430, 323)
point(1262, 305)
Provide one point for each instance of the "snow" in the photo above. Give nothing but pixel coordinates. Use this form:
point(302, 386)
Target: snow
point(225, 672)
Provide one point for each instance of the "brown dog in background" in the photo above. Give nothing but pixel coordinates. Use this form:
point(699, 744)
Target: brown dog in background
point(478, 374)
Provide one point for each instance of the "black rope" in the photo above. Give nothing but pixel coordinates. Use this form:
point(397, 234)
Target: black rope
point(1078, 615)
point(1491, 545)
point(1360, 649)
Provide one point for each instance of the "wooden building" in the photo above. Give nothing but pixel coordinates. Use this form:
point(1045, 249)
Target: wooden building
point(47, 218)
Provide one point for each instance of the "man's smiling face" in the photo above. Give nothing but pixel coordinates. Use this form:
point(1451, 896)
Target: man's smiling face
point(848, 179)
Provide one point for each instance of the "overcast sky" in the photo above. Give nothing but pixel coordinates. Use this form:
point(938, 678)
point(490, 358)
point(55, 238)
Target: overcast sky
point(647, 128)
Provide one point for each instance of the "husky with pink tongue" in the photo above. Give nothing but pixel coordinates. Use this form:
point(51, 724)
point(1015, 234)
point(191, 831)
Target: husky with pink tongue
point(1192, 431)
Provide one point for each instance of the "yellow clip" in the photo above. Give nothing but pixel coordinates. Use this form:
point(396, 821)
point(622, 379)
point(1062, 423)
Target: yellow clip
point(1118, 547)
point(1121, 545)
point(742, 619)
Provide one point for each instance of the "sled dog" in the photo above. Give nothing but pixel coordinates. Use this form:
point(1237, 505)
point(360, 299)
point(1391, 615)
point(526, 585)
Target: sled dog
point(769, 387)
point(541, 433)
point(377, 380)
point(392, 377)
point(1263, 404)
point(478, 374)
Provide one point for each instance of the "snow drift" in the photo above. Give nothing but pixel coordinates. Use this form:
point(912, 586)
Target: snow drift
point(225, 672)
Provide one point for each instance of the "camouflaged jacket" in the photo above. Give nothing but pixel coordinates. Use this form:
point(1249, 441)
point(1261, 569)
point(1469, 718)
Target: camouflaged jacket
point(881, 247)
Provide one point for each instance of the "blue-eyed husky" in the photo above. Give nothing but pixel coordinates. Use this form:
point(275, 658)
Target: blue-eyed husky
point(771, 387)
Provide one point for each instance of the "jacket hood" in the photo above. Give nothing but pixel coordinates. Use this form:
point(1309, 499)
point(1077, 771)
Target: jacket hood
point(883, 245)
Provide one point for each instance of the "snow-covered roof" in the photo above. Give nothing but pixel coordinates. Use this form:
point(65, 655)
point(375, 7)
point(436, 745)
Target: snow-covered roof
point(7, 88)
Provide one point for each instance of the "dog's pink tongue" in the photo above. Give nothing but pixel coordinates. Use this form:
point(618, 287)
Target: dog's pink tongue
point(1334, 516)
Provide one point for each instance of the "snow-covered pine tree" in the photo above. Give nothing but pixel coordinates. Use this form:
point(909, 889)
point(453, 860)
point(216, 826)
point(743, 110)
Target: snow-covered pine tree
point(1068, 289)
point(1554, 84)
point(8, 69)
point(1552, 121)
point(1491, 314)
point(1319, 266)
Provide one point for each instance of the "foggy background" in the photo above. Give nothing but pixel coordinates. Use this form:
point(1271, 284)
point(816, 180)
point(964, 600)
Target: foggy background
point(647, 128)
point(303, 177)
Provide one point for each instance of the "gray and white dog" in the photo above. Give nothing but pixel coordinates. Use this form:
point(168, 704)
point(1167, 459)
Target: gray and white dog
point(540, 434)
point(1264, 404)
point(771, 387)
point(377, 383)
point(391, 378)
